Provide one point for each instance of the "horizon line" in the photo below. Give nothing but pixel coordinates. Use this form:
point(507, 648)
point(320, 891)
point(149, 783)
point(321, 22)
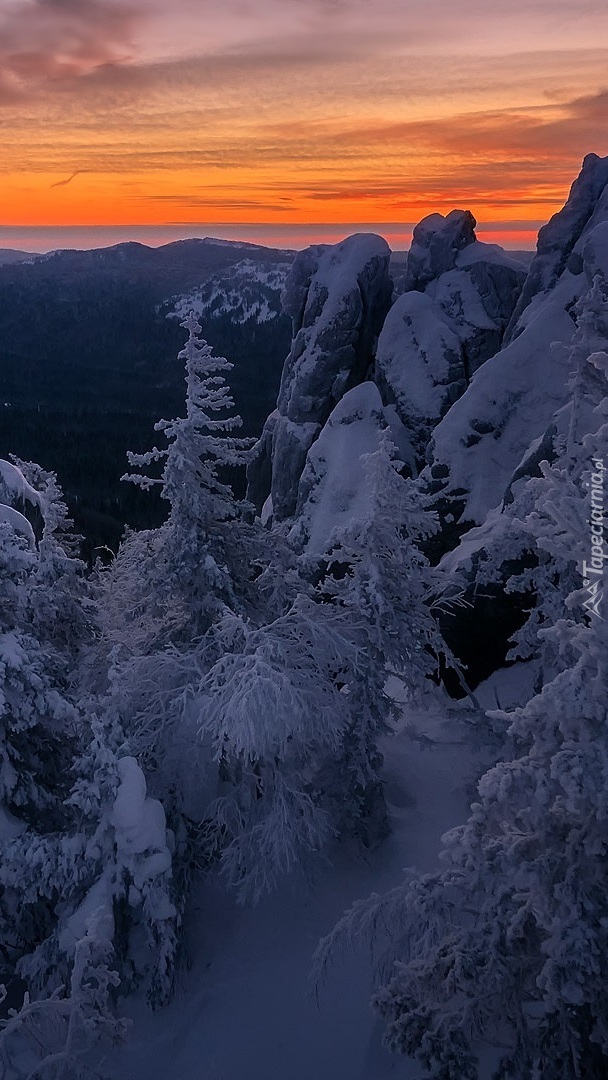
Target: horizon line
point(43, 239)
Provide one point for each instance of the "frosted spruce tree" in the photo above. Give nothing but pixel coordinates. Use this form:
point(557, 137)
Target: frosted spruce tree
point(110, 862)
point(170, 593)
point(36, 702)
point(294, 713)
point(61, 606)
point(178, 578)
point(586, 383)
point(272, 712)
point(91, 908)
point(85, 865)
point(506, 944)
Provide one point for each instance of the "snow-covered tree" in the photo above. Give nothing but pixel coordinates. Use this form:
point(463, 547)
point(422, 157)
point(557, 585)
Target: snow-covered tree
point(171, 592)
point(295, 709)
point(586, 385)
point(380, 577)
point(61, 610)
point(507, 944)
point(36, 709)
point(54, 1036)
point(78, 835)
point(185, 564)
point(273, 712)
point(110, 860)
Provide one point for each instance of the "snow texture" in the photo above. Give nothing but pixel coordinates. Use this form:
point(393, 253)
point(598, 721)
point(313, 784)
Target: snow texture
point(247, 291)
point(333, 490)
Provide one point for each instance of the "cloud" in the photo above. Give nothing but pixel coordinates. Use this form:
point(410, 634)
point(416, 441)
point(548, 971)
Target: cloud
point(529, 137)
point(210, 202)
point(64, 183)
point(51, 40)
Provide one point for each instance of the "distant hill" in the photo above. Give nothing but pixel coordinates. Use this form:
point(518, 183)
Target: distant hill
point(9, 256)
point(88, 355)
point(88, 358)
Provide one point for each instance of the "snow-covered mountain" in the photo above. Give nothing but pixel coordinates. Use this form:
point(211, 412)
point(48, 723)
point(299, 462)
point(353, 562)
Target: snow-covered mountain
point(246, 291)
point(479, 444)
point(463, 358)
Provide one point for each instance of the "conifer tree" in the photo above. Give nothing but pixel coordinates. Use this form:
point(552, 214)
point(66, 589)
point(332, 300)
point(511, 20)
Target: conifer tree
point(190, 555)
point(272, 712)
point(108, 859)
point(36, 703)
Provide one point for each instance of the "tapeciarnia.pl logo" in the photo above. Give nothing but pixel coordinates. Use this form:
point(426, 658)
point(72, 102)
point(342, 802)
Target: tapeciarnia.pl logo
point(593, 571)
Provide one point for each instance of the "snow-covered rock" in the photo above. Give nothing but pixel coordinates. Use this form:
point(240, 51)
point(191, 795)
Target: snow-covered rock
point(419, 365)
point(333, 489)
point(337, 297)
point(436, 242)
point(445, 327)
point(511, 400)
point(561, 240)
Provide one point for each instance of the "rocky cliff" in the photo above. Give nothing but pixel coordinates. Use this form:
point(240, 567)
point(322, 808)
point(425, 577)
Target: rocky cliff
point(337, 297)
point(512, 398)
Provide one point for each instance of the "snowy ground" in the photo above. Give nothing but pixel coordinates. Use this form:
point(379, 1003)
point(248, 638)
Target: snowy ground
point(244, 1010)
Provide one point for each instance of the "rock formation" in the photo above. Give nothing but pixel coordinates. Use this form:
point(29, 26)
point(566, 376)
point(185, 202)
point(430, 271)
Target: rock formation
point(338, 297)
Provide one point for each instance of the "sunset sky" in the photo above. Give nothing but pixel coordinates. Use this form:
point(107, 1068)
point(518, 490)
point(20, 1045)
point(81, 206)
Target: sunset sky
point(290, 121)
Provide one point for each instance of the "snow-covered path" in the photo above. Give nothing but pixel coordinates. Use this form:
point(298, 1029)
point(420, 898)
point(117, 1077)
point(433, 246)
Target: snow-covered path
point(244, 1011)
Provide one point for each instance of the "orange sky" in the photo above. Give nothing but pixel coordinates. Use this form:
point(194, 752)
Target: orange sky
point(274, 115)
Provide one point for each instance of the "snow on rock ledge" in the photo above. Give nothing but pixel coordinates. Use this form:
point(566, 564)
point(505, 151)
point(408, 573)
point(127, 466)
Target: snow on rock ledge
point(333, 490)
point(445, 327)
point(337, 297)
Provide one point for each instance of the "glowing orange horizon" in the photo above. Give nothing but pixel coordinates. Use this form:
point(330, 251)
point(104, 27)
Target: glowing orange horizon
point(95, 199)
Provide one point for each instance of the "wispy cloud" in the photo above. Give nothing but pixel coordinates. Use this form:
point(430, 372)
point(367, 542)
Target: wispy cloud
point(64, 183)
point(53, 40)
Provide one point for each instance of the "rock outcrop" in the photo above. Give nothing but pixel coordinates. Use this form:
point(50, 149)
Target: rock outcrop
point(338, 297)
point(436, 243)
point(464, 405)
point(559, 241)
point(511, 400)
point(461, 295)
point(333, 492)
